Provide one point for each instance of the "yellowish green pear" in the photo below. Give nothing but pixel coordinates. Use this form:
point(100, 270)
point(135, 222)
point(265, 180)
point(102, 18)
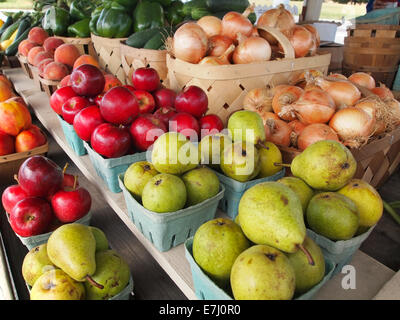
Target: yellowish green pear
point(136, 177)
point(35, 263)
point(269, 156)
point(246, 126)
point(211, 147)
point(100, 237)
point(302, 190)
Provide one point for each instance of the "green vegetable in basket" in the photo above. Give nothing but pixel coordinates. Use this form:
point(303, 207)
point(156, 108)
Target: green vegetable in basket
point(164, 3)
point(56, 20)
point(129, 4)
point(190, 5)
point(81, 9)
point(148, 15)
point(227, 5)
point(198, 13)
point(94, 18)
point(114, 22)
point(80, 29)
point(6, 24)
point(174, 13)
point(13, 48)
point(139, 39)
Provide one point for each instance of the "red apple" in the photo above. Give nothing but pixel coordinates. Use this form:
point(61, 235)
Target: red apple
point(72, 107)
point(97, 99)
point(29, 139)
point(145, 130)
point(165, 114)
point(192, 100)
point(146, 79)
point(71, 204)
point(86, 121)
point(146, 101)
point(87, 80)
point(111, 141)
point(11, 196)
point(210, 124)
point(130, 88)
point(69, 181)
point(7, 144)
point(164, 98)
point(119, 106)
point(39, 176)
point(59, 97)
point(186, 124)
point(30, 217)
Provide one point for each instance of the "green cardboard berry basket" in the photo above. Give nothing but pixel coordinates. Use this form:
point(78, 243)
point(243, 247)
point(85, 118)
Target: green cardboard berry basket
point(34, 241)
point(234, 191)
point(72, 138)
point(167, 230)
point(340, 252)
point(206, 289)
point(109, 169)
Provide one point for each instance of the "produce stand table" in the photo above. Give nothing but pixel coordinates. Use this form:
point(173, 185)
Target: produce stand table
point(371, 275)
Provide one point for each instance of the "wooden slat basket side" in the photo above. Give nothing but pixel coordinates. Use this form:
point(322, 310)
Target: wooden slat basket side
point(49, 86)
point(84, 45)
point(25, 66)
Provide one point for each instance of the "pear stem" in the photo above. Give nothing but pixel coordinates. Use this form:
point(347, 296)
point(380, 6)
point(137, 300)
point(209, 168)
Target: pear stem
point(308, 255)
point(277, 164)
point(75, 181)
point(94, 283)
point(65, 167)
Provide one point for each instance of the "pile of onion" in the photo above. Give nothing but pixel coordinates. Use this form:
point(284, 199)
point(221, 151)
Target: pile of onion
point(302, 41)
point(235, 23)
point(315, 34)
point(337, 76)
point(277, 132)
point(382, 92)
point(286, 95)
point(353, 125)
point(217, 45)
point(221, 60)
point(297, 128)
point(315, 132)
point(378, 110)
point(190, 43)
point(363, 79)
point(251, 49)
point(211, 25)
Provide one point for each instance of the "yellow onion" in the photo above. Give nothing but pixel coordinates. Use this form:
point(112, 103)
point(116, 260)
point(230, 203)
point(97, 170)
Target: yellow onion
point(190, 43)
point(344, 93)
point(211, 25)
point(251, 49)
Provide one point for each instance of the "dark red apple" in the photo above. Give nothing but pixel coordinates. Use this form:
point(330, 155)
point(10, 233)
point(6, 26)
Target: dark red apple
point(145, 100)
point(186, 124)
point(69, 181)
point(165, 114)
point(111, 141)
point(119, 106)
point(130, 88)
point(71, 204)
point(164, 98)
point(11, 196)
point(59, 97)
point(30, 217)
point(146, 79)
point(87, 80)
point(192, 100)
point(86, 121)
point(97, 99)
point(145, 130)
point(7, 144)
point(210, 124)
point(39, 176)
point(72, 107)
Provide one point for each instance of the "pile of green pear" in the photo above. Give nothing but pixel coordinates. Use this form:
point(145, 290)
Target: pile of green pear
point(174, 179)
point(75, 264)
point(242, 152)
point(265, 253)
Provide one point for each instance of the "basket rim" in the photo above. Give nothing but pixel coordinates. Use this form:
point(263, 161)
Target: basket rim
point(21, 155)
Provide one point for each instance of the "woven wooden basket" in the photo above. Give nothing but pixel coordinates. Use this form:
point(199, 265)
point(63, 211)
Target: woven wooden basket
point(109, 56)
point(227, 85)
point(10, 62)
point(374, 49)
point(133, 58)
point(84, 45)
point(49, 86)
point(25, 66)
point(376, 161)
point(35, 76)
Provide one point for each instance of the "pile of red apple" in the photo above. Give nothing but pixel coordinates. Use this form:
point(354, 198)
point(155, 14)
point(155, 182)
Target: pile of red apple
point(118, 121)
point(44, 198)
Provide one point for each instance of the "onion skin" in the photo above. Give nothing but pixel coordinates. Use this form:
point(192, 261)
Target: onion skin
point(374, 109)
point(344, 93)
point(252, 49)
point(258, 100)
point(218, 45)
point(286, 96)
point(234, 23)
point(338, 76)
point(224, 59)
point(278, 132)
point(315, 132)
point(315, 34)
point(297, 126)
point(190, 43)
point(211, 25)
point(302, 41)
point(394, 109)
point(363, 79)
point(383, 92)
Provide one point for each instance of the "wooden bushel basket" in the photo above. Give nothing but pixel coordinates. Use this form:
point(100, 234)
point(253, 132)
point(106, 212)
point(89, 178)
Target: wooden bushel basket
point(10, 62)
point(376, 161)
point(84, 45)
point(227, 85)
point(49, 86)
point(109, 56)
point(35, 76)
point(373, 49)
point(133, 58)
point(25, 66)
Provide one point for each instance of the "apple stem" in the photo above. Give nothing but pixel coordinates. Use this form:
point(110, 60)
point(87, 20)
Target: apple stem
point(16, 178)
point(65, 167)
point(277, 164)
point(307, 253)
point(75, 181)
point(94, 283)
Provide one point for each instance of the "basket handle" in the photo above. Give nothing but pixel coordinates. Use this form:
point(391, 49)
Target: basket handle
point(280, 37)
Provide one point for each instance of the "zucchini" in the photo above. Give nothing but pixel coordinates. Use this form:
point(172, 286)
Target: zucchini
point(198, 13)
point(6, 24)
point(10, 30)
point(13, 48)
point(189, 6)
point(157, 41)
point(227, 5)
point(24, 24)
point(139, 39)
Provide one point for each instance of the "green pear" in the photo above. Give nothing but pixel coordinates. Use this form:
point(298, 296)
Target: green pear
point(136, 177)
point(325, 165)
point(333, 215)
point(240, 161)
point(216, 245)
point(174, 154)
point(302, 190)
point(367, 199)
point(164, 193)
point(211, 147)
point(112, 272)
point(270, 213)
point(72, 248)
point(307, 275)
point(262, 273)
point(35, 263)
point(269, 156)
point(246, 126)
point(201, 184)
point(57, 285)
point(100, 238)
